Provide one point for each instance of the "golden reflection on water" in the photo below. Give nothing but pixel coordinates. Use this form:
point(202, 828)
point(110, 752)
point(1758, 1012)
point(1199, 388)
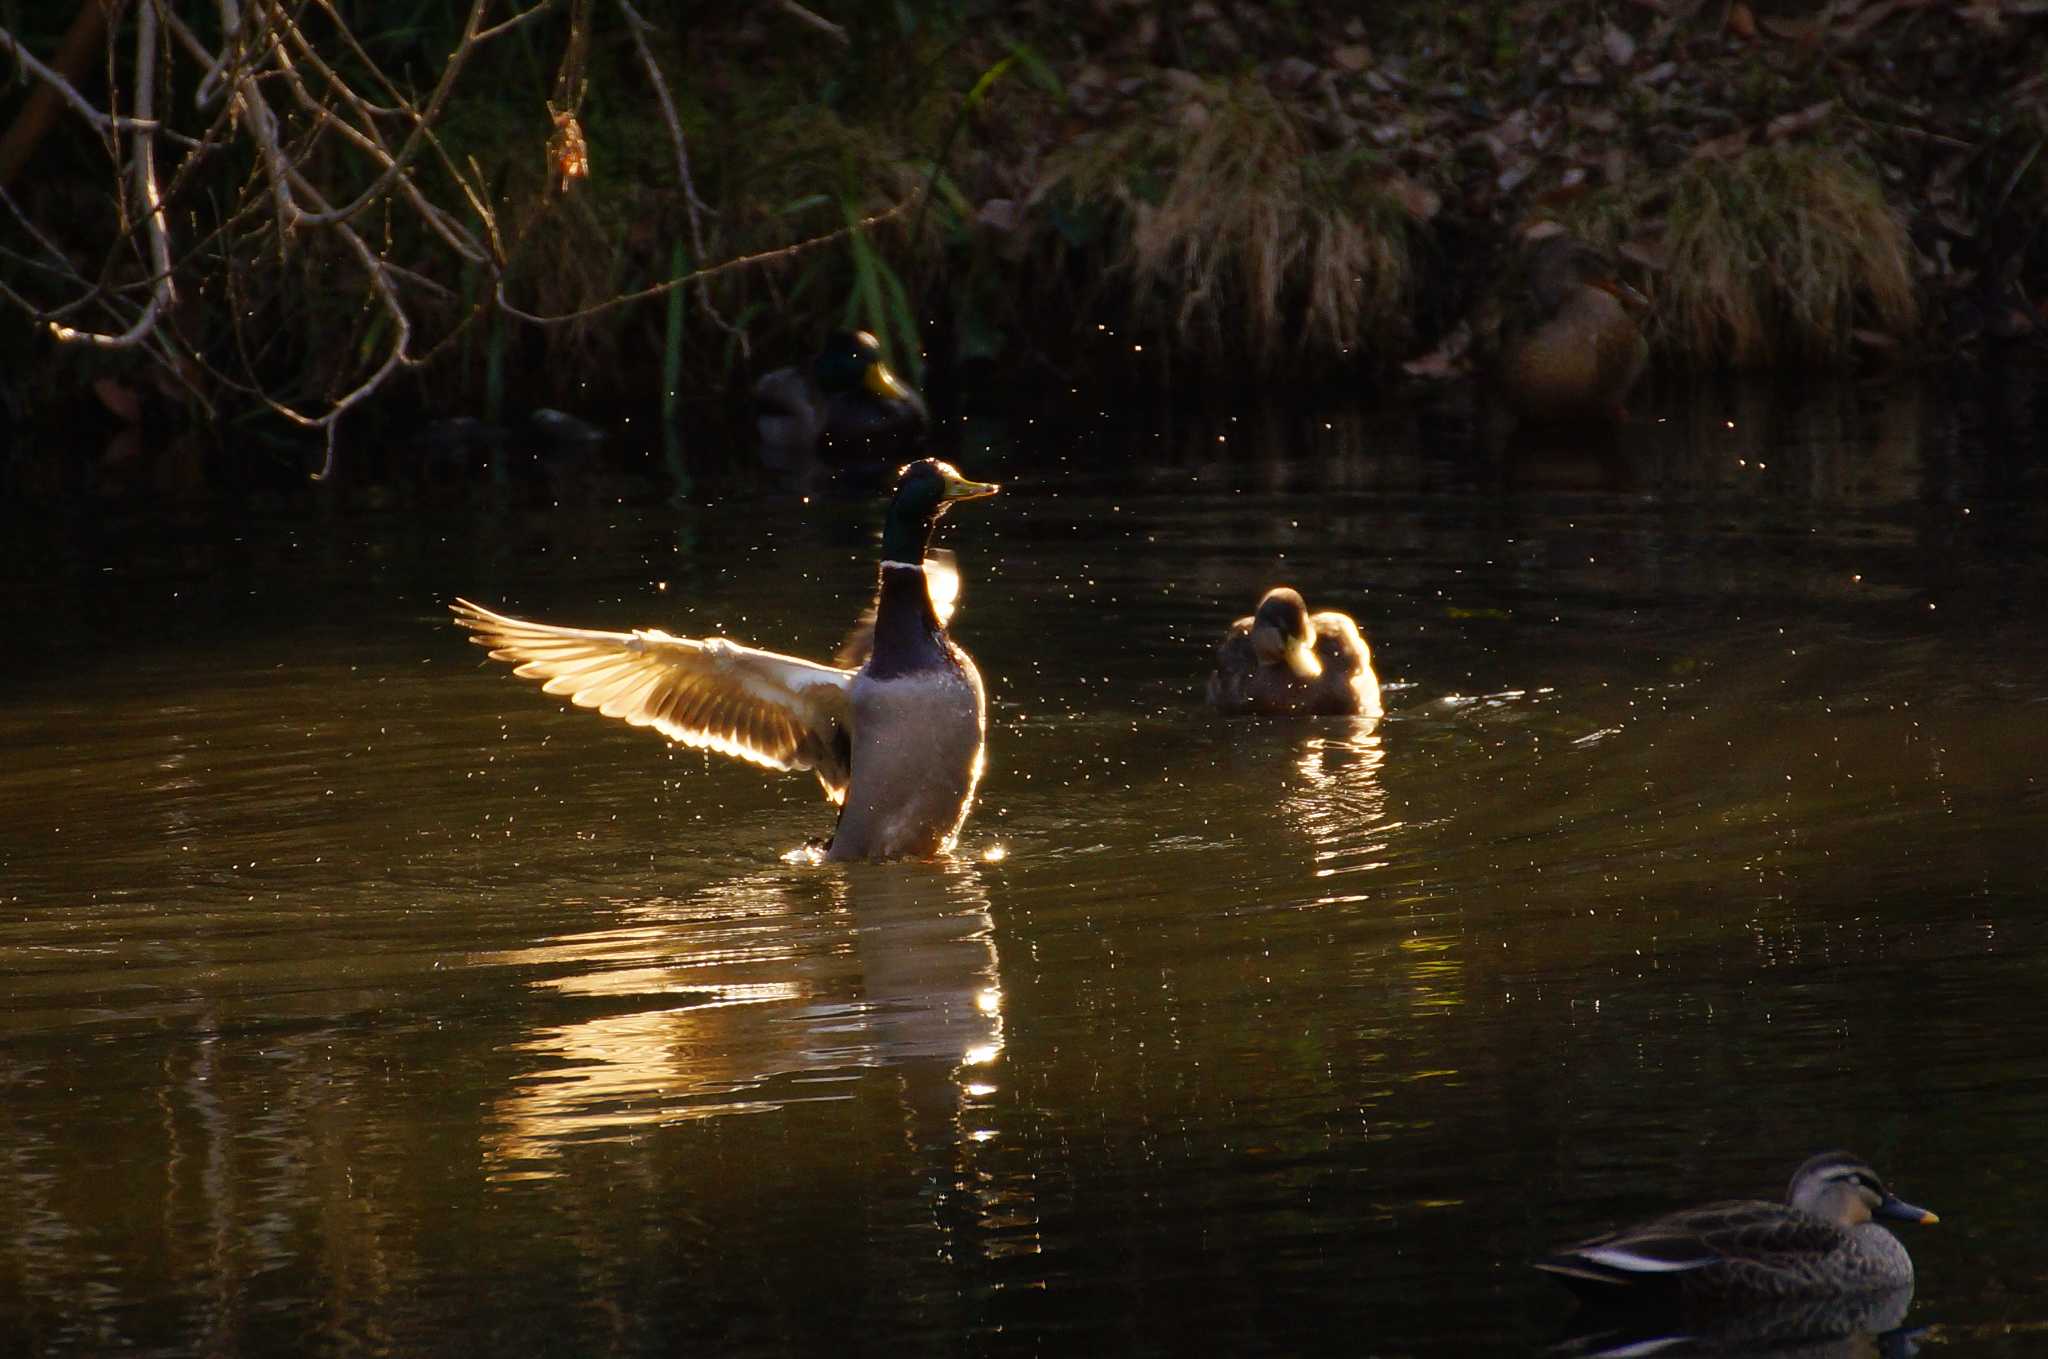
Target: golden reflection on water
point(1756, 791)
point(1337, 803)
point(1435, 975)
point(771, 988)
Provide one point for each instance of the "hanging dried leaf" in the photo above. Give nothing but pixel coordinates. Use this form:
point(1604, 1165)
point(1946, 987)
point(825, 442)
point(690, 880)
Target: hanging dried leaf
point(568, 153)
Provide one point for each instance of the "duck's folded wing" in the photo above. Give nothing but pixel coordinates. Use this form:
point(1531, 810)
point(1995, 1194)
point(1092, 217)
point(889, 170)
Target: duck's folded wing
point(1749, 1233)
point(1768, 1234)
point(776, 711)
point(1653, 1250)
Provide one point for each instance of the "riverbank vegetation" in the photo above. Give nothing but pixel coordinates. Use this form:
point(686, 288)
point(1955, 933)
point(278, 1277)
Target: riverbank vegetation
point(397, 213)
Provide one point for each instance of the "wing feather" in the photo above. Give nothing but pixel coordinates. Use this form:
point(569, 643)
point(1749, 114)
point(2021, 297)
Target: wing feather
point(776, 711)
point(1749, 1232)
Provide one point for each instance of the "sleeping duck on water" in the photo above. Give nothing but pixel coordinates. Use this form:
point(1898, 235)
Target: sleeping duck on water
point(895, 740)
point(1283, 660)
point(1822, 1241)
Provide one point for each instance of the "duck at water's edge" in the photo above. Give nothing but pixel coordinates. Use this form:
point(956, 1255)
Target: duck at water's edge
point(1823, 1241)
point(1283, 660)
point(848, 410)
point(1570, 349)
point(897, 742)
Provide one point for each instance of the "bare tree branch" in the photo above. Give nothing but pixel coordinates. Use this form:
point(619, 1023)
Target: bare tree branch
point(775, 256)
point(105, 122)
point(162, 292)
point(695, 205)
point(527, 16)
point(333, 158)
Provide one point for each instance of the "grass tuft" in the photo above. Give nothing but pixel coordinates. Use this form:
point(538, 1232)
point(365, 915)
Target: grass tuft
point(1238, 233)
point(1780, 255)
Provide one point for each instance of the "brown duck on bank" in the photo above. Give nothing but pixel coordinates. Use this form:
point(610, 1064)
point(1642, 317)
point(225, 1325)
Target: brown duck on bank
point(1822, 1242)
point(1570, 348)
point(1283, 660)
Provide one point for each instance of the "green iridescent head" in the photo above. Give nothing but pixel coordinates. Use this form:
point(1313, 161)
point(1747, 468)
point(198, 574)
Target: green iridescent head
point(852, 361)
point(925, 490)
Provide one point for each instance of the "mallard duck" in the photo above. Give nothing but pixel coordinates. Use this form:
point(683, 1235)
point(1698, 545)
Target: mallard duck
point(896, 741)
point(849, 408)
point(1822, 1241)
point(1570, 348)
point(1285, 660)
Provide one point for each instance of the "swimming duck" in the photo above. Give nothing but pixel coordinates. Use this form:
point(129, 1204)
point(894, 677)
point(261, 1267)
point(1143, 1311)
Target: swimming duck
point(850, 408)
point(1284, 660)
point(1570, 347)
point(1822, 1241)
point(896, 741)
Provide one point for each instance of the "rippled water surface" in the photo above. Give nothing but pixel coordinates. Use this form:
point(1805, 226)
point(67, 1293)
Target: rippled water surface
point(358, 998)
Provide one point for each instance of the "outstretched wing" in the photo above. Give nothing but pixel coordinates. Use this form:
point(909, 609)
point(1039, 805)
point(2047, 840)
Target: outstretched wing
point(776, 711)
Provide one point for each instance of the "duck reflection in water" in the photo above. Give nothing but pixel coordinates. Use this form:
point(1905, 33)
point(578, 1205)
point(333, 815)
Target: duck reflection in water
point(1337, 802)
point(769, 990)
point(1866, 1327)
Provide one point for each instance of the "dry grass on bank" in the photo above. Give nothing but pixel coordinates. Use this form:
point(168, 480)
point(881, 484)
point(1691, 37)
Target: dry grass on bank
point(1779, 255)
point(1238, 235)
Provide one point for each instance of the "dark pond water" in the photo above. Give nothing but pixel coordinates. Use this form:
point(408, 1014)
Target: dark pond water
point(355, 998)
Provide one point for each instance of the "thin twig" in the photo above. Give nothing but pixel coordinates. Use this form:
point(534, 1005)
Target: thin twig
point(162, 291)
point(638, 27)
point(35, 233)
point(499, 30)
point(420, 118)
point(472, 193)
point(709, 271)
point(1920, 134)
point(817, 21)
point(395, 175)
point(105, 122)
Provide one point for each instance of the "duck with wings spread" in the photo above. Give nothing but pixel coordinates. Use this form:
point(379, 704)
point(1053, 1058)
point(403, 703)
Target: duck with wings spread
point(894, 730)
